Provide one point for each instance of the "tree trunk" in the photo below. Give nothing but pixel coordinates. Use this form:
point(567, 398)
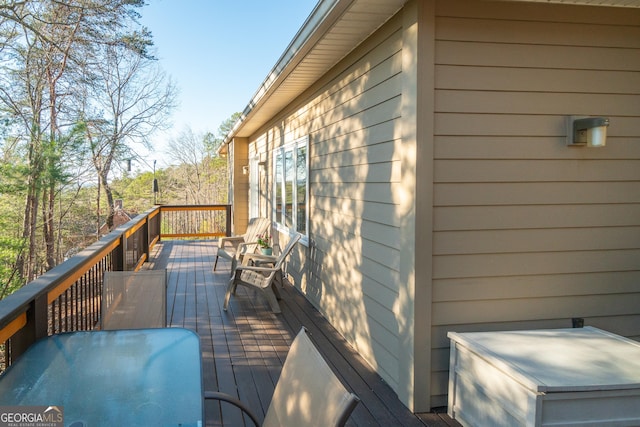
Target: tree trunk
point(110, 204)
point(26, 266)
point(27, 259)
point(48, 226)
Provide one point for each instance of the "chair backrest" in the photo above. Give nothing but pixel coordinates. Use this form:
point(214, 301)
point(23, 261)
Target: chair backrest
point(287, 250)
point(308, 393)
point(256, 227)
point(134, 300)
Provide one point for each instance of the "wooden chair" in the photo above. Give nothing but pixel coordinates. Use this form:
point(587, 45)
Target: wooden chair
point(308, 393)
point(260, 277)
point(228, 246)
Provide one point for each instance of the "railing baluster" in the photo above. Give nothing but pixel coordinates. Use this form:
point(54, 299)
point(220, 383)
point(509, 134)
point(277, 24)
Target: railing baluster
point(74, 300)
point(92, 296)
point(65, 311)
point(58, 311)
point(83, 309)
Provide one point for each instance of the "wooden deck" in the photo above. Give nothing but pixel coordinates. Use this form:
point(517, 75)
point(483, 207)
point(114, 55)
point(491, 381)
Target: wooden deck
point(243, 348)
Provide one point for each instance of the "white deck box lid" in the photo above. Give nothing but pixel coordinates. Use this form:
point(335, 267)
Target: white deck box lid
point(559, 360)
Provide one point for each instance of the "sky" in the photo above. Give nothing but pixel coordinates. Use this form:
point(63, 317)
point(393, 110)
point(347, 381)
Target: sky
point(217, 52)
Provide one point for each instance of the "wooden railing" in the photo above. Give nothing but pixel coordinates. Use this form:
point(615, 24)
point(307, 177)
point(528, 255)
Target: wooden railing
point(195, 221)
point(68, 297)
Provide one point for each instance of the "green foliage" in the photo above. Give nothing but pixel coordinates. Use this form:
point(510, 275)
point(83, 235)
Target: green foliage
point(10, 242)
point(138, 42)
point(9, 250)
point(136, 192)
point(12, 177)
point(214, 142)
point(175, 189)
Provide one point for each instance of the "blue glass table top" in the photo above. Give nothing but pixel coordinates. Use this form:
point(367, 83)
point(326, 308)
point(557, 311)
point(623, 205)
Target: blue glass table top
point(145, 377)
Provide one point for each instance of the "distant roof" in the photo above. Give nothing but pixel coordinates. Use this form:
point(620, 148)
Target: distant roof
point(332, 30)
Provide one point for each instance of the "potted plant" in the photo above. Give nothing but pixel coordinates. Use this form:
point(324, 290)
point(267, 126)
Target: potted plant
point(264, 242)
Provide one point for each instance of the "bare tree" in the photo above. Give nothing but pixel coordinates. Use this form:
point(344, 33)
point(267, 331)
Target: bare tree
point(201, 174)
point(133, 99)
point(190, 150)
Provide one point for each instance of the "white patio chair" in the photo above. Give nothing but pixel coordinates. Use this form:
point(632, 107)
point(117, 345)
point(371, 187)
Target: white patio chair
point(260, 278)
point(228, 246)
point(308, 393)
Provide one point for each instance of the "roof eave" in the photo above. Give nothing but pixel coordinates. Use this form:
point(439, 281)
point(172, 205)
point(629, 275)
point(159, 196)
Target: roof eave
point(321, 17)
point(320, 22)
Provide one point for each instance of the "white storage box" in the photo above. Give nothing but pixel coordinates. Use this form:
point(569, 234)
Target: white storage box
point(555, 377)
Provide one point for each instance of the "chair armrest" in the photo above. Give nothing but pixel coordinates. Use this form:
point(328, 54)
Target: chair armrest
point(216, 395)
point(243, 245)
point(234, 240)
point(256, 268)
point(261, 259)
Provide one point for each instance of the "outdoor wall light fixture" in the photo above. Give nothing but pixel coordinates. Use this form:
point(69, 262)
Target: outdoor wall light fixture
point(245, 170)
point(589, 131)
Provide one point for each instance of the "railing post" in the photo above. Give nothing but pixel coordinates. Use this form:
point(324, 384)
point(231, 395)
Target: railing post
point(228, 220)
point(37, 326)
point(159, 224)
point(145, 239)
point(118, 255)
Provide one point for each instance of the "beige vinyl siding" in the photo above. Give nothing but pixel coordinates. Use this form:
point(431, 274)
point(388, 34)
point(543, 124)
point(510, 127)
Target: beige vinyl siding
point(238, 196)
point(354, 171)
point(528, 232)
point(350, 269)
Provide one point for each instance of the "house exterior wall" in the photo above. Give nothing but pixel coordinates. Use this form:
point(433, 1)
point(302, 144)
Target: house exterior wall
point(529, 233)
point(442, 194)
point(239, 191)
point(360, 200)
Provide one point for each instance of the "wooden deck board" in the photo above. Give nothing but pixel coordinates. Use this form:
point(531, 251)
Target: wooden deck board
point(243, 349)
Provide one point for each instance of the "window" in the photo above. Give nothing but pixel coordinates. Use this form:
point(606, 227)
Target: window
point(291, 186)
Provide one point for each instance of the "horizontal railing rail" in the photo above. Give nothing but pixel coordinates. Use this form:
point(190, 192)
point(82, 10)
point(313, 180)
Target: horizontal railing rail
point(68, 297)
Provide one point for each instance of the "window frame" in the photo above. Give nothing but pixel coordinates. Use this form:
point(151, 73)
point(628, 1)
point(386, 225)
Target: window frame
point(280, 154)
point(254, 186)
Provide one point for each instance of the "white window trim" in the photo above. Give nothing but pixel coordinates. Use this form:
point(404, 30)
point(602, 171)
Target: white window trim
point(254, 187)
point(292, 146)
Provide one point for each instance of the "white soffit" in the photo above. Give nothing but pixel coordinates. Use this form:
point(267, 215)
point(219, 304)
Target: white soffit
point(334, 28)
